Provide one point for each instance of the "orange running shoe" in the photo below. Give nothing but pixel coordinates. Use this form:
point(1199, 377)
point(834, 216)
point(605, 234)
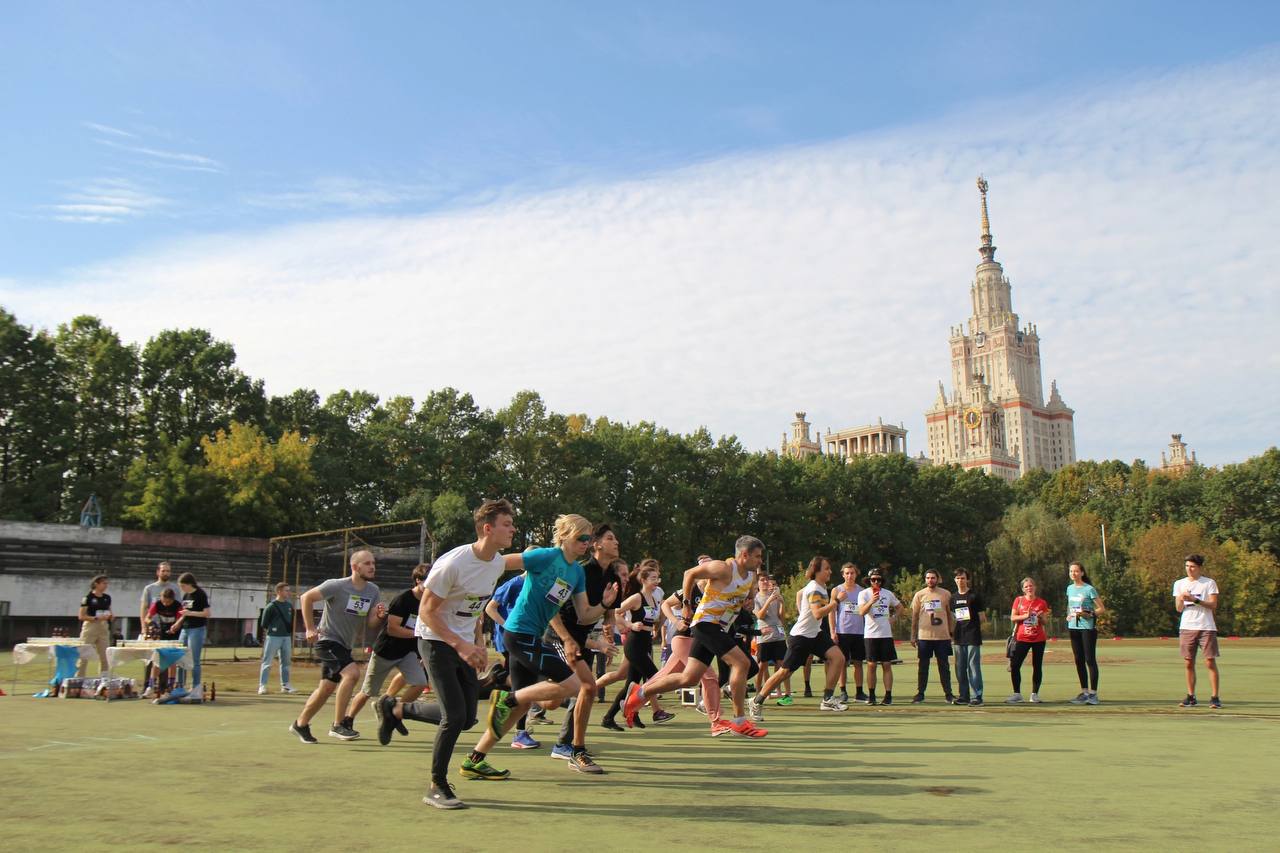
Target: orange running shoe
point(747, 729)
point(719, 727)
point(631, 707)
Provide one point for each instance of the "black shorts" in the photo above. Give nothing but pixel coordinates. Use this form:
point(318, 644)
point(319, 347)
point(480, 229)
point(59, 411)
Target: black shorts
point(532, 660)
point(711, 641)
point(852, 647)
point(800, 648)
point(774, 651)
point(334, 658)
point(939, 649)
point(880, 649)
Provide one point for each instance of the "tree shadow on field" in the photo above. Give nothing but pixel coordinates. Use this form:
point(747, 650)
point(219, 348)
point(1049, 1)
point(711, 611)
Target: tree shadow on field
point(789, 816)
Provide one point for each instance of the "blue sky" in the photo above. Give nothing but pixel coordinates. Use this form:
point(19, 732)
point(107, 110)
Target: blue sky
point(145, 141)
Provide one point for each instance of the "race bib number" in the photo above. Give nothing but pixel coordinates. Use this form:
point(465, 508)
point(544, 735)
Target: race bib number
point(962, 614)
point(559, 592)
point(358, 605)
point(411, 622)
point(932, 605)
point(1032, 619)
point(474, 603)
point(650, 614)
point(849, 606)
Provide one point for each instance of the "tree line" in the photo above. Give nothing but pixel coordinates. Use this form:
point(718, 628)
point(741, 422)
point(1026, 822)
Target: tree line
point(172, 435)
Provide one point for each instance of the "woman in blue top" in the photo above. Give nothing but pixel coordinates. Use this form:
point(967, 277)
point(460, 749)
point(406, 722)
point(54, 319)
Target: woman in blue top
point(1083, 607)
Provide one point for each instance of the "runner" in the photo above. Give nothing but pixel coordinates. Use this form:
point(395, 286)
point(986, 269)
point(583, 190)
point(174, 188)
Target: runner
point(968, 615)
point(396, 649)
point(1083, 606)
point(348, 602)
point(681, 633)
point(1196, 598)
point(931, 624)
point(880, 606)
point(807, 639)
point(641, 610)
point(554, 578)
point(598, 573)
point(1028, 614)
point(848, 625)
point(729, 586)
point(771, 645)
point(504, 598)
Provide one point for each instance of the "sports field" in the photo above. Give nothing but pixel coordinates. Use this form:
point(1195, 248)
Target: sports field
point(1133, 773)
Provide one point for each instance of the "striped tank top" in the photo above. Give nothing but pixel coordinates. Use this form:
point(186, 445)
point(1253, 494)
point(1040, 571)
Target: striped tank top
point(721, 606)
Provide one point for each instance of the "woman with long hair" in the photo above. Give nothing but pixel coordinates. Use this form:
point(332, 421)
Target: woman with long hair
point(95, 622)
point(639, 611)
point(1083, 606)
point(194, 625)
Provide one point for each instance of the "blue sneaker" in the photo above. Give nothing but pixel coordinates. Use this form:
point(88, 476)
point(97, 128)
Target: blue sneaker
point(523, 740)
point(562, 750)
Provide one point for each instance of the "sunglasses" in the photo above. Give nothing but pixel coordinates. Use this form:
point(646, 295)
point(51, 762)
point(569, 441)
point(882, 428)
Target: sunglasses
point(585, 538)
point(874, 580)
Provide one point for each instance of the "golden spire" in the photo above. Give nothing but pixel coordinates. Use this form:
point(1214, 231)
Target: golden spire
point(987, 250)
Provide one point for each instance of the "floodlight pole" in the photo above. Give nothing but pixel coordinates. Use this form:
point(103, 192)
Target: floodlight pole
point(1104, 545)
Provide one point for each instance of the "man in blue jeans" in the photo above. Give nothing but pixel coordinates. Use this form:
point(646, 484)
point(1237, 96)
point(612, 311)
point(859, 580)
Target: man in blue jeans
point(277, 638)
point(967, 608)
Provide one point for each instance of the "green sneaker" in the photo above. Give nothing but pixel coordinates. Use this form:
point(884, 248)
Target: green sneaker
point(499, 713)
point(786, 700)
point(483, 770)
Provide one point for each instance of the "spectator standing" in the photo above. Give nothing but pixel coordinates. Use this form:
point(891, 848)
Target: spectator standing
point(95, 622)
point(277, 638)
point(193, 623)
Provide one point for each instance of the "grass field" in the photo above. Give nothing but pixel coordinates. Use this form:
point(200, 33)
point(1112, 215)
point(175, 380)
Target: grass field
point(1133, 773)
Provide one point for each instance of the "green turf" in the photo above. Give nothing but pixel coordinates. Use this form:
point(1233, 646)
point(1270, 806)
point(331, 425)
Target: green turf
point(1133, 773)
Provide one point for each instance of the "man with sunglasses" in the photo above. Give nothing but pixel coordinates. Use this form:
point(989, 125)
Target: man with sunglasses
point(879, 606)
point(604, 551)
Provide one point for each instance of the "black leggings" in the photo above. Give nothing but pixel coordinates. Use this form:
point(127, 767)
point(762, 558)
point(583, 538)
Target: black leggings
point(1084, 645)
point(454, 711)
point(638, 650)
point(1037, 664)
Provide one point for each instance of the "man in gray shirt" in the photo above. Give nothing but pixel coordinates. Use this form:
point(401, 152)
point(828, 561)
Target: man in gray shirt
point(150, 595)
point(348, 602)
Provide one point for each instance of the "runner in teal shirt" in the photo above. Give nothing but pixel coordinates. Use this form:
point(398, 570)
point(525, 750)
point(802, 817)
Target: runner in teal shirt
point(551, 582)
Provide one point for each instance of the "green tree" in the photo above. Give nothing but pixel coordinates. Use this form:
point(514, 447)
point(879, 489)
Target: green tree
point(1033, 542)
point(1242, 502)
point(265, 484)
point(163, 491)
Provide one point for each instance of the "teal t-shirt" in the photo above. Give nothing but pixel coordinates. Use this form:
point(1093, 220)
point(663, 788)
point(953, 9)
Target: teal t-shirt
point(1079, 598)
point(551, 580)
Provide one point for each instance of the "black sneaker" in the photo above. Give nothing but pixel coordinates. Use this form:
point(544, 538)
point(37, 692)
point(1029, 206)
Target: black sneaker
point(1215, 702)
point(442, 797)
point(959, 700)
point(341, 732)
point(386, 719)
point(871, 699)
point(1189, 702)
point(664, 716)
point(888, 699)
point(303, 732)
point(581, 761)
point(950, 699)
point(917, 699)
point(860, 697)
point(611, 725)
point(975, 702)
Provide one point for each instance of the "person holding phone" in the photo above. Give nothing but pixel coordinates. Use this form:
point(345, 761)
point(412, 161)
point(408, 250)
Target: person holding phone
point(879, 606)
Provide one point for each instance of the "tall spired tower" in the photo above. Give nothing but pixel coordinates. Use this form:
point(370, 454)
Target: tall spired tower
point(996, 418)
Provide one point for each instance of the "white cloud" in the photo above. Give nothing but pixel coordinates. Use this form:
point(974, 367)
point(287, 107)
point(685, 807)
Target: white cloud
point(343, 193)
point(105, 200)
point(169, 159)
point(1136, 222)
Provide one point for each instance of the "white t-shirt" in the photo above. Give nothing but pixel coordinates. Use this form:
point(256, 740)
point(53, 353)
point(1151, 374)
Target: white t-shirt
point(466, 583)
point(1194, 617)
point(807, 626)
point(878, 626)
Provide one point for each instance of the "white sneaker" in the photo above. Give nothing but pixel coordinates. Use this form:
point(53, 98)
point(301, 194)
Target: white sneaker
point(1015, 699)
point(149, 693)
point(287, 688)
point(1080, 699)
point(262, 690)
point(755, 710)
point(832, 704)
point(1035, 699)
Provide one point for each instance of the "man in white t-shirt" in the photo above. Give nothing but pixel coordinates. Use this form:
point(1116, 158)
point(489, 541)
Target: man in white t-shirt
point(451, 645)
point(879, 606)
point(1196, 598)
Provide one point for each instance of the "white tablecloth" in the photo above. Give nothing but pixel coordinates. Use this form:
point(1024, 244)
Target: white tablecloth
point(117, 655)
point(27, 652)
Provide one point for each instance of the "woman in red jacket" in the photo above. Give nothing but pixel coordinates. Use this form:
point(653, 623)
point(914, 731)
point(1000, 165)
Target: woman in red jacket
point(1028, 615)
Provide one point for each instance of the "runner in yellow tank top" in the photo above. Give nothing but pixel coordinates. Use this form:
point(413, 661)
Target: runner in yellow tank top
point(730, 583)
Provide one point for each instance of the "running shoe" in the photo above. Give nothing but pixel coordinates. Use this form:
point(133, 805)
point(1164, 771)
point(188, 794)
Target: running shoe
point(1189, 702)
point(888, 699)
point(949, 699)
point(700, 708)
point(1081, 699)
point(611, 724)
point(581, 761)
point(960, 700)
point(523, 740)
point(631, 706)
point(341, 732)
point(303, 732)
point(1015, 699)
point(442, 797)
point(262, 690)
point(287, 688)
point(386, 720)
point(562, 750)
point(975, 702)
point(1215, 702)
point(747, 729)
point(917, 699)
point(483, 770)
point(786, 700)
point(1093, 699)
point(844, 697)
point(720, 727)
point(832, 704)
point(499, 713)
point(871, 699)
point(755, 710)
point(639, 722)
point(1035, 699)
point(660, 717)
